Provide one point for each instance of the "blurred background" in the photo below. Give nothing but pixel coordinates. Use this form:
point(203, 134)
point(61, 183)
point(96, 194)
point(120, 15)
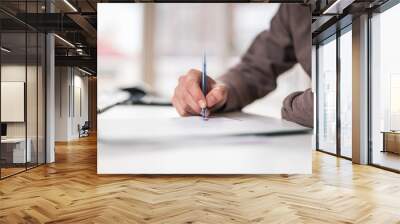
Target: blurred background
point(151, 45)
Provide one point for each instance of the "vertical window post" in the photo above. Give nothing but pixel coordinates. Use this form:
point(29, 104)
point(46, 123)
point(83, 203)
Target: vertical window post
point(360, 90)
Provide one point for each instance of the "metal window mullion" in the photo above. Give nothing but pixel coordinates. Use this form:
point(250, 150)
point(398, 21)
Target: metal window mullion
point(44, 71)
point(37, 91)
point(317, 96)
point(26, 87)
point(369, 77)
point(338, 98)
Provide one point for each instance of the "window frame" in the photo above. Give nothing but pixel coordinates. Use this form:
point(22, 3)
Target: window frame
point(27, 29)
point(345, 25)
point(378, 10)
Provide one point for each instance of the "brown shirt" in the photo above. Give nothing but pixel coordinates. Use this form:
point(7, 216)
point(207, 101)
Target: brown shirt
point(274, 51)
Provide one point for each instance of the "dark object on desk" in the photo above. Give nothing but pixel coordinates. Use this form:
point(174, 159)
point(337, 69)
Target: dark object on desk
point(391, 141)
point(3, 129)
point(140, 96)
point(84, 130)
point(136, 93)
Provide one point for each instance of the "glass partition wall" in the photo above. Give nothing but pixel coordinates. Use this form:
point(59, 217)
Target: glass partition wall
point(345, 107)
point(385, 88)
point(334, 126)
point(22, 78)
point(327, 95)
point(13, 86)
point(334, 94)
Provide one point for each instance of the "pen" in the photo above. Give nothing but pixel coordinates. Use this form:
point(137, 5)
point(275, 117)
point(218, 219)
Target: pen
point(204, 111)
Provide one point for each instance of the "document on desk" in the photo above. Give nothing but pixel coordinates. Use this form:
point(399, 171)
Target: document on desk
point(154, 129)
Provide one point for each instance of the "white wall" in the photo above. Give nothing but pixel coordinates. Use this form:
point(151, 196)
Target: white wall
point(12, 73)
point(34, 125)
point(81, 103)
point(61, 103)
point(70, 83)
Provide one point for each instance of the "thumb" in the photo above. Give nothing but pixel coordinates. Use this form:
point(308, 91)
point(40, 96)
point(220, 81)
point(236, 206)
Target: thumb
point(216, 96)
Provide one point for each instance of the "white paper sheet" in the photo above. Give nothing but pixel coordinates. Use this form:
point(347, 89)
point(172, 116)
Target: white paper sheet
point(154, 129)
point(222, 155)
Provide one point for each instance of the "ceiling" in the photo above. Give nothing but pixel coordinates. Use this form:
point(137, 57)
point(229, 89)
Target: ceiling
point(76, 22)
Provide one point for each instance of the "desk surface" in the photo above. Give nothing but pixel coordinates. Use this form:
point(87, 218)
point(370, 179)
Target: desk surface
point(221, 155)
point(13, 140)
point(391, 132)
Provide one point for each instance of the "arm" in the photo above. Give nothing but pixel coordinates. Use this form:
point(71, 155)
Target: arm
point(298, 107)
point(270, 54)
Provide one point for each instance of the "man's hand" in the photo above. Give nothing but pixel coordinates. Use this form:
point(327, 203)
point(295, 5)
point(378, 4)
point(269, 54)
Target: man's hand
point(188, 98)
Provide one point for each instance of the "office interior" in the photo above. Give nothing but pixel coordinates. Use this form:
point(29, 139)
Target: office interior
point(47, 94)
point(49, 79)
point(354, 63)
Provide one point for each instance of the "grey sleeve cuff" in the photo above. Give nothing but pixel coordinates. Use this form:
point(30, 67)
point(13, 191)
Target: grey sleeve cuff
point(298, 107)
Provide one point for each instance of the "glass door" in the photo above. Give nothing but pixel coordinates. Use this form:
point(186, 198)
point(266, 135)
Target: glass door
point(14, 153)
point(385, 89)
point(326, 59)
point(32, 98)
point(345, 94)
point(22, 77)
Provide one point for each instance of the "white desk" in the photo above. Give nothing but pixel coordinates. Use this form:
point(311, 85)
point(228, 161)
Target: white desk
point(289, 154)
point(19, 154)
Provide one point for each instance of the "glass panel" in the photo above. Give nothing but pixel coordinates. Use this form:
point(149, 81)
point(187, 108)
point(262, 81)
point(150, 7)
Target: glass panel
point(15, 7)
point(31, 98)
point(385, 84)
point(31, 88)
point(41, 98)
point(346, 94)
point(327, 97)
point(41, 6)
point(22, 89)
point(13, 87)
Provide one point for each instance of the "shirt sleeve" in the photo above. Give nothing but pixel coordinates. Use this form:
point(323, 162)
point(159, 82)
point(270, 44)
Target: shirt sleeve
point(270, 54)
point(299, 107)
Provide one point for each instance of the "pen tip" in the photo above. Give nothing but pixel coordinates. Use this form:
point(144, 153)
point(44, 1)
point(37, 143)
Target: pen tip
point(204, 113)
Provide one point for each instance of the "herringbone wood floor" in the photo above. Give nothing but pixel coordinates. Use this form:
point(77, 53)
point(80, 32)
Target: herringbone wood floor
point(70, 191)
